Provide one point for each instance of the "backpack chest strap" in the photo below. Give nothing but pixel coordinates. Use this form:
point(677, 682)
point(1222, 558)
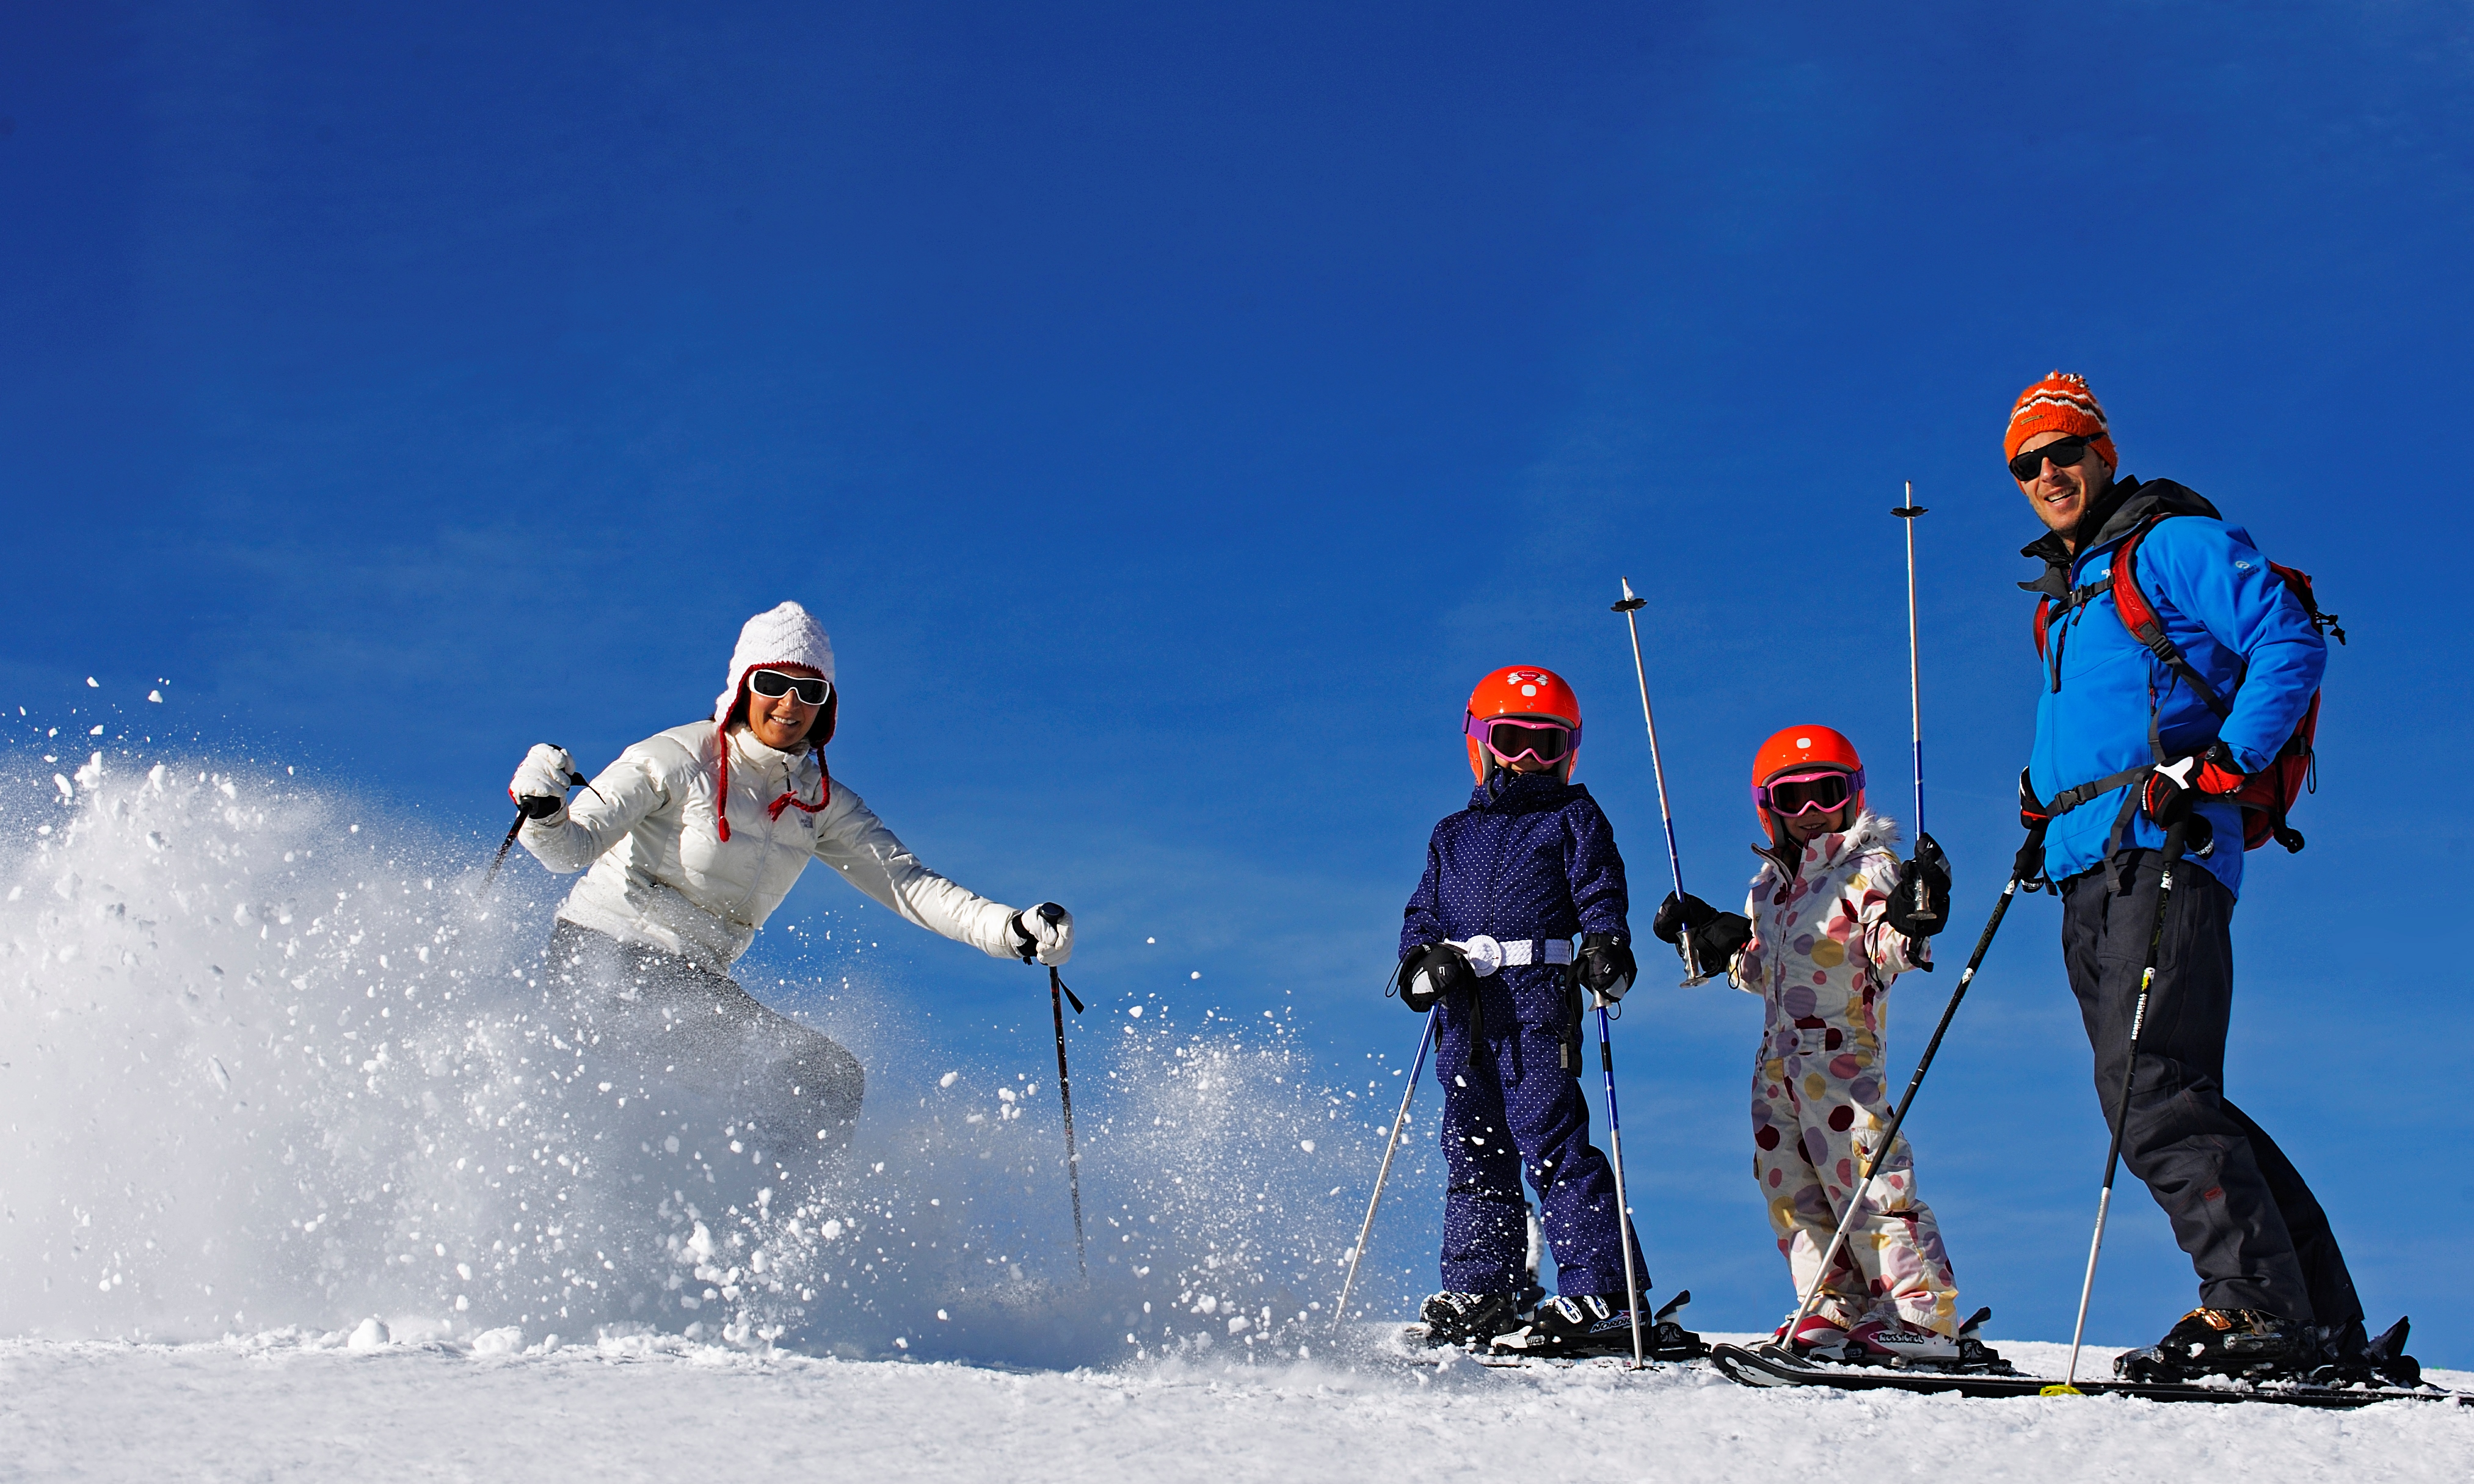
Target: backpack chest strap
point(2073, 797)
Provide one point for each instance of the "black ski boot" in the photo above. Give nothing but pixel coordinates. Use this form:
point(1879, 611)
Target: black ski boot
point(2354, 1359)
point(1602, 1328)
point(1567, 1327)
point(1468, 1319)
point(2248, 1344)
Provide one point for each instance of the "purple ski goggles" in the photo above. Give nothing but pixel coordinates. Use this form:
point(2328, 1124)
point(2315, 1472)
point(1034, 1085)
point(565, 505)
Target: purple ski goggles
point(1819, 788)
point(1514, 738)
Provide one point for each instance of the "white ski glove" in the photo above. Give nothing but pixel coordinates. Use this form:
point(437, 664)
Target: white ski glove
point(1045, 932)
point(541, 781)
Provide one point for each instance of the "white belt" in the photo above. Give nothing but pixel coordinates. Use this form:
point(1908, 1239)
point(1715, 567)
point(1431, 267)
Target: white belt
point(1486, 955)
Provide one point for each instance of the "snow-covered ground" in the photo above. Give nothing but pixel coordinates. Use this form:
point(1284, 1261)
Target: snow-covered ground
point(668, 1409)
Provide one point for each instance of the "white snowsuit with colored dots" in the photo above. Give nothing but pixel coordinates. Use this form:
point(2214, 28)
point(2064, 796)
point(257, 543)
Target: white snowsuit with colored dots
point(1822, 958)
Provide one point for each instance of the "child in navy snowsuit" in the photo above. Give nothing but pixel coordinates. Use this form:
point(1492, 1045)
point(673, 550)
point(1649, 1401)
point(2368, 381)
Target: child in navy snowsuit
point(1508, 881)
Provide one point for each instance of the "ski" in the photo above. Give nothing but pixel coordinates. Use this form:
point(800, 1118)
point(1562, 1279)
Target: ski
point(1763, 1367)
point(1414, 1341)
point(1606, 1343)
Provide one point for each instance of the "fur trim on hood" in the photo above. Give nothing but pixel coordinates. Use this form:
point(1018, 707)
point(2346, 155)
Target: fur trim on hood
point(1869, 831)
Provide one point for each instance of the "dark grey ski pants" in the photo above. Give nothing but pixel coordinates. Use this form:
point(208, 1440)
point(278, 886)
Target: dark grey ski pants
point(2253, 1229)
point(678, 1022)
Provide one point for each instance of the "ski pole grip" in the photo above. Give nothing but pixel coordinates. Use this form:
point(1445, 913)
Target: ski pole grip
point(2177, 838)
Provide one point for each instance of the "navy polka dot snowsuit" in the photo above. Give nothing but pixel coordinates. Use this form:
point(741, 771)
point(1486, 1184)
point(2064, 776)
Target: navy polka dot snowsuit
point(1532, 858)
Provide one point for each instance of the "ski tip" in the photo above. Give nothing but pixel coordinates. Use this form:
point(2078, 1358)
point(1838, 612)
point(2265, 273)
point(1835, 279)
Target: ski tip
point(2061, 1389)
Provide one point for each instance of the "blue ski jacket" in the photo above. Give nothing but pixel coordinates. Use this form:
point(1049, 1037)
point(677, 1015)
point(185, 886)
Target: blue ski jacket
point(2234, 621)
point(1531, 857)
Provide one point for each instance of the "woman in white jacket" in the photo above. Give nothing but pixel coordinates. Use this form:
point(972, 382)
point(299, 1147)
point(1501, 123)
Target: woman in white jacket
point(692, 838)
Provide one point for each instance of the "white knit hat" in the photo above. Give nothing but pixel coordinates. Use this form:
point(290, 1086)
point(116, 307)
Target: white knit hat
point(787, 635)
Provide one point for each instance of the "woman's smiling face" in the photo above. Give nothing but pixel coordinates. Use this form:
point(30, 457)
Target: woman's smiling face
point(781, 721)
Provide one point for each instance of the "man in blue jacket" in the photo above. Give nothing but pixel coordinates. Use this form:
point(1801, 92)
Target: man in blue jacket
point(2126, 742)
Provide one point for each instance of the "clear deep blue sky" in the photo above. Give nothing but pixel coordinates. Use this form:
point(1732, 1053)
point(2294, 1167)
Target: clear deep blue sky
point(1173, 411)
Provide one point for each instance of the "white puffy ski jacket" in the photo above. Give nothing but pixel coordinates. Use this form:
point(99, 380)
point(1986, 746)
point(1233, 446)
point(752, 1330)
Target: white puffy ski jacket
point(661, 874)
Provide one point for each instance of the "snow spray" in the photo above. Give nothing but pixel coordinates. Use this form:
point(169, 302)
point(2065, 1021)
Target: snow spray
point(271, 1068)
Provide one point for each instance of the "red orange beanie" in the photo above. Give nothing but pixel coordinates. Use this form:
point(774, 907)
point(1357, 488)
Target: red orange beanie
point(2059, 403)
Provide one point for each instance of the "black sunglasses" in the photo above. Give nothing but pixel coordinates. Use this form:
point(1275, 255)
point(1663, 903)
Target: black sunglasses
point(2065, 453)
point(771, 683)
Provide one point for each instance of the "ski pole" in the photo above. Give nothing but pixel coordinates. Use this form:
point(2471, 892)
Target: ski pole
point(2173, 840)
point(1899, 1117)
point(1058, 995)
point(1630, 608)
point(1624, 1210)
point(501, 859)
point(1391, 1146)
point(1908, 514)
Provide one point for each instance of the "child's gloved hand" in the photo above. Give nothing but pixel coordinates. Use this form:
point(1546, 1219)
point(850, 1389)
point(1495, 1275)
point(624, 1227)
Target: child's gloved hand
point(1428, 973)
point(1717, 943)
point(1716, 935)
point(1680, 915)
point(1605, 966)
point(1932, 868)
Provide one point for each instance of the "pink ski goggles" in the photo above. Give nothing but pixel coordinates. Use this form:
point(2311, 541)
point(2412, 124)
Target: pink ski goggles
point(1514, 738)
point(1802, 794)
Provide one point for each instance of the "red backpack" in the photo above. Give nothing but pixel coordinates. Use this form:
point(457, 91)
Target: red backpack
point(2266, 796)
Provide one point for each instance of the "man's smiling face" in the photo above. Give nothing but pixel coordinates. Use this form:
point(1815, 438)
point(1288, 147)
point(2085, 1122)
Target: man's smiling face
point(2060, 493)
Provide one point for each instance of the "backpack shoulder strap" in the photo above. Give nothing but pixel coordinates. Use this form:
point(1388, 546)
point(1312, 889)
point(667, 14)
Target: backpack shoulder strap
point(2139, 616)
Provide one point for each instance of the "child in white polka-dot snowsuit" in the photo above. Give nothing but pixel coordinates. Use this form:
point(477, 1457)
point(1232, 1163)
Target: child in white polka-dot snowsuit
point(1822, 958)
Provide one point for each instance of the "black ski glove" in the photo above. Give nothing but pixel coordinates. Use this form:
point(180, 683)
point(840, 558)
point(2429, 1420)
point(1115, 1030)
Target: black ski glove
point(2032, 813)
point(1605, 966)
point(1678, 916)
point(2175, 787)
point(2027, 867)
point(1932, 868)
point(1716, 942)
point(1428, 973)
point(1716, 935)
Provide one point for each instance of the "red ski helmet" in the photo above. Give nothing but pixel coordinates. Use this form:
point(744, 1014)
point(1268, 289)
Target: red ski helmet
point(1517, 692)
point(1804, 750)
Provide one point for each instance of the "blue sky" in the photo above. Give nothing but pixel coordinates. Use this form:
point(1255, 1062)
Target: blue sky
point(1172, 414)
